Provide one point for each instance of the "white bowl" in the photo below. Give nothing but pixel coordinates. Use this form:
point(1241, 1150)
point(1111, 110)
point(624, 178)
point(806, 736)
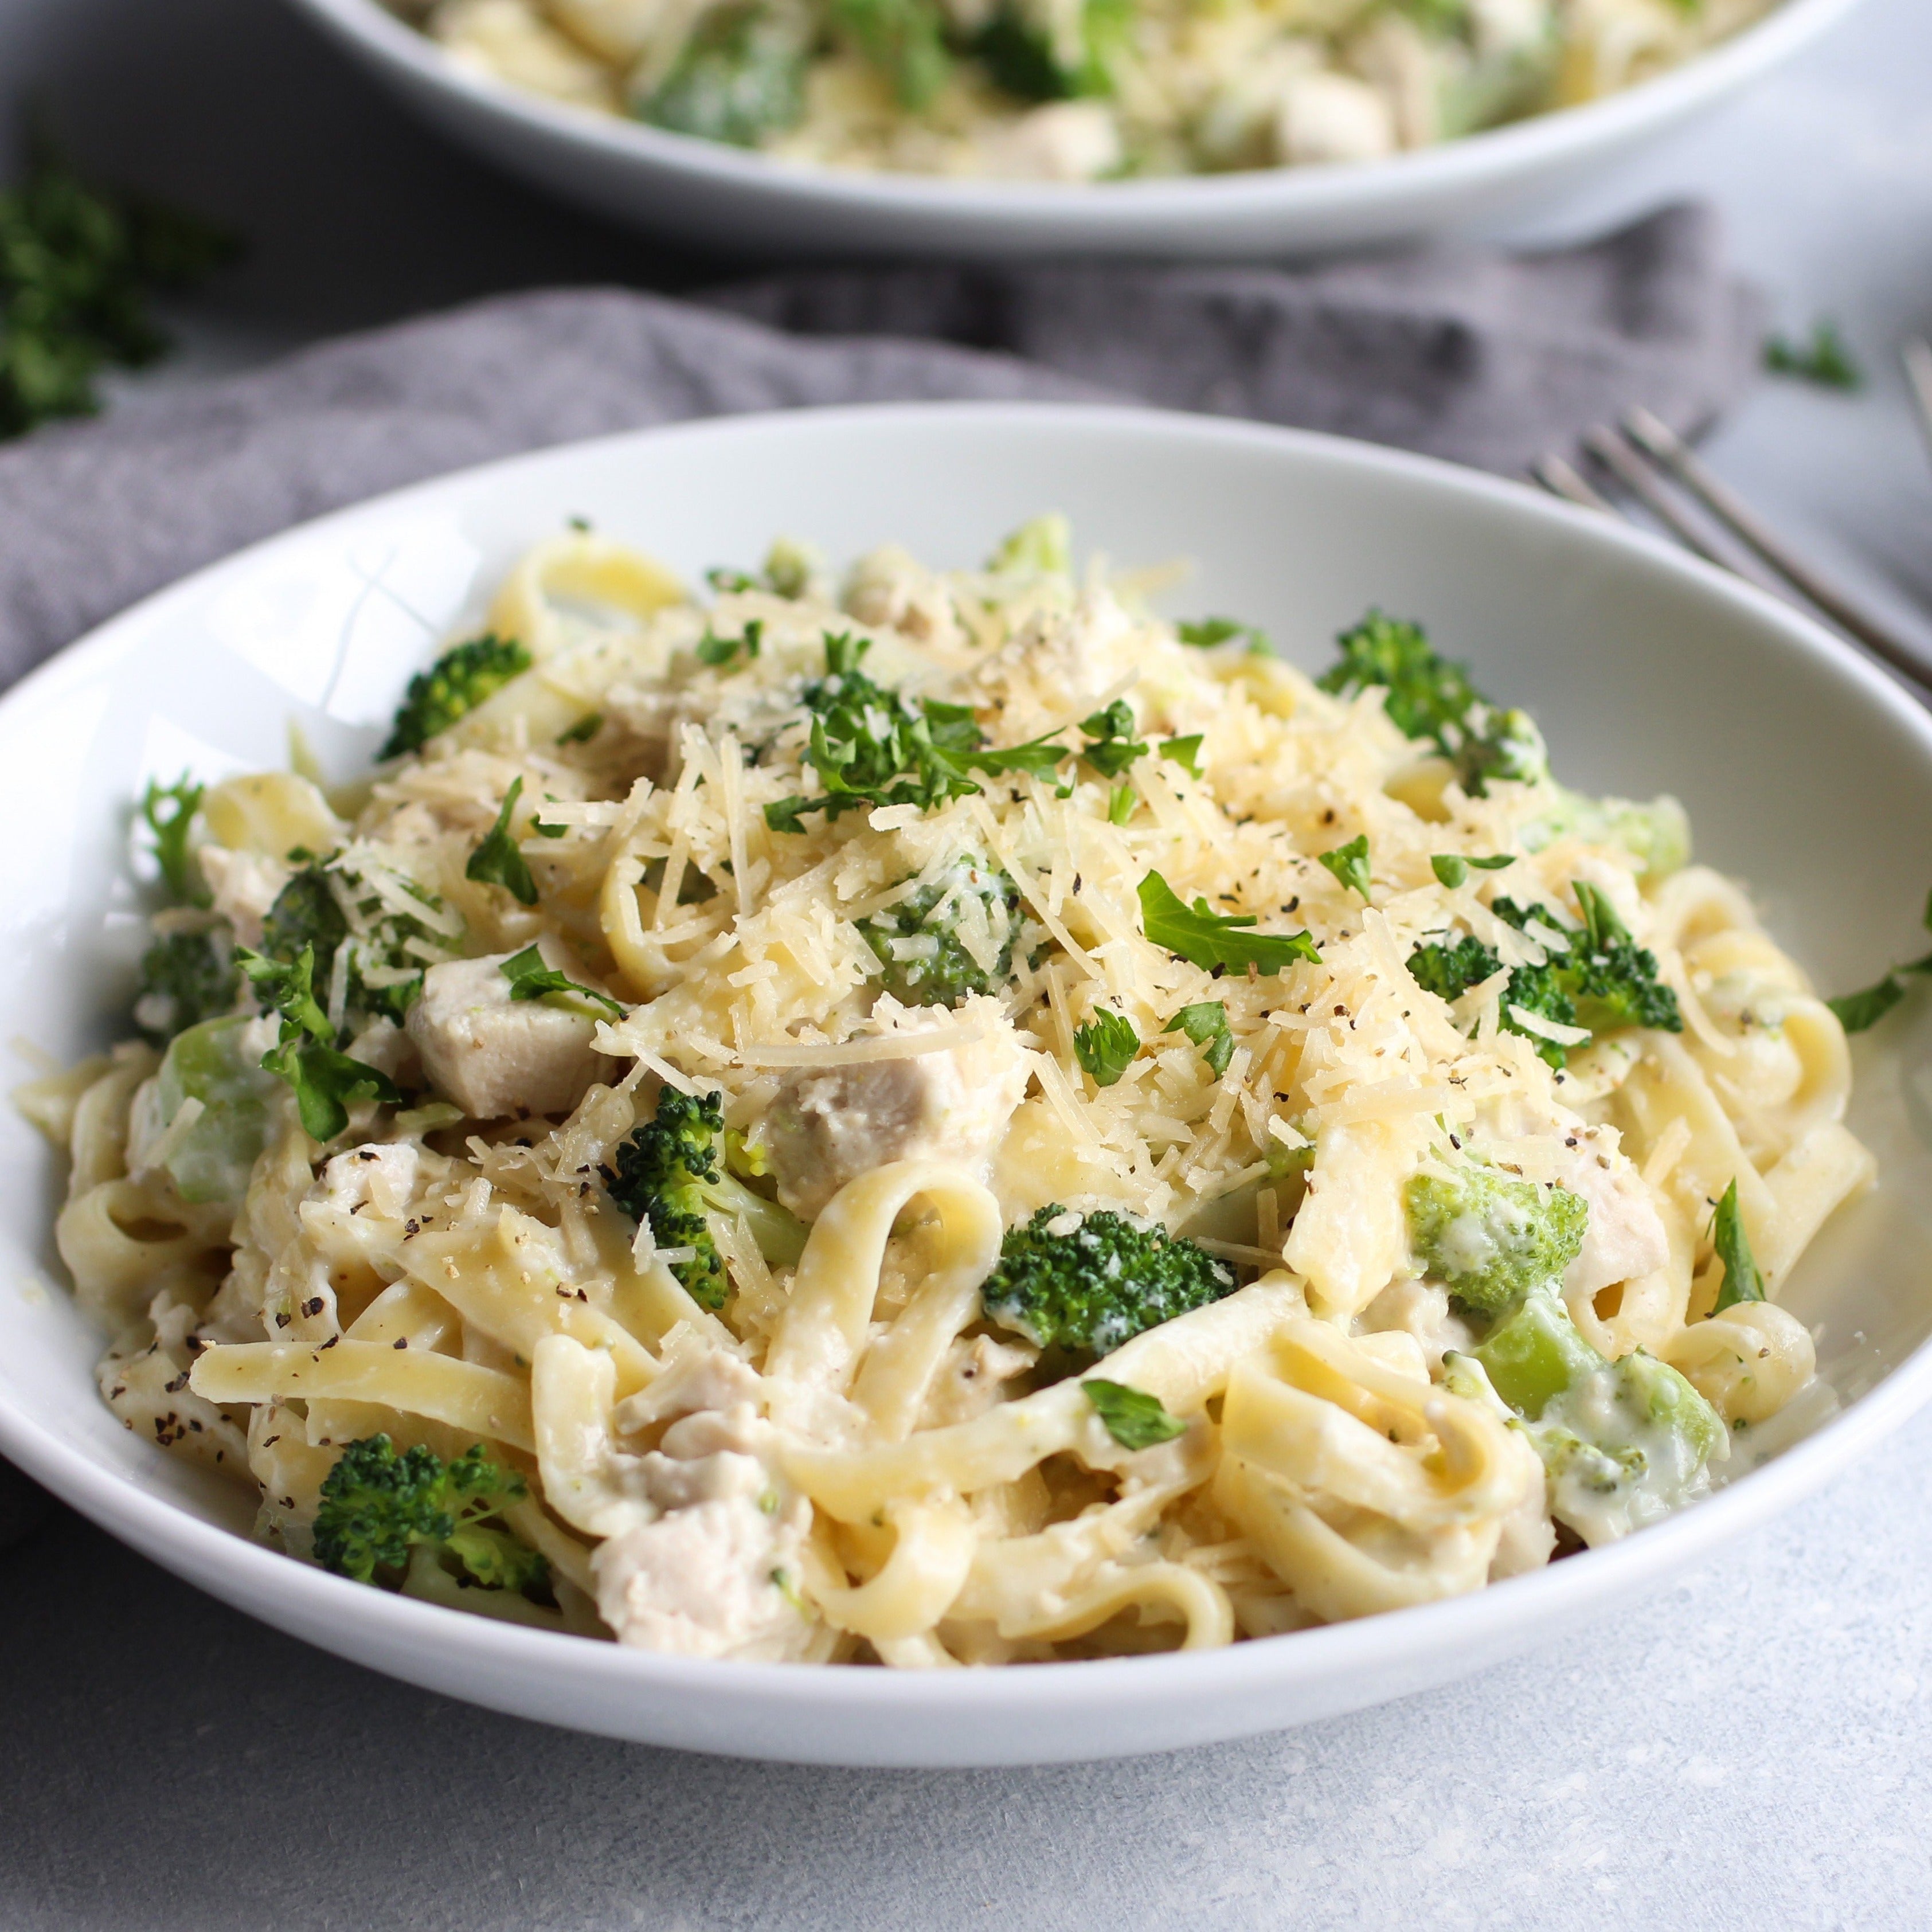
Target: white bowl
point(726, 200)
point(1801, 767)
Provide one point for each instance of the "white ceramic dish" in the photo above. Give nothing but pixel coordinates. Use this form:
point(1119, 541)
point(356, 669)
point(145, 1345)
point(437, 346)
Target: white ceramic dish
point(1648, 672)
point(728, 200)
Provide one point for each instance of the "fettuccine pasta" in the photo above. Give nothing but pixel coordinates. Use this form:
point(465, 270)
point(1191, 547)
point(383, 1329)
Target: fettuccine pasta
point(943, 1120)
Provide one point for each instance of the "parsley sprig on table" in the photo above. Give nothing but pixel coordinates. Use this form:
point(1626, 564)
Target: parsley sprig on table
point(870, 747)
point(77, 264)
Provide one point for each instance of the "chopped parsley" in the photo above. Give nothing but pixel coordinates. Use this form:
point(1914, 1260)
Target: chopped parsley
point(1111, 746)
point(869, 747)
point(584, 730)
point(530, 979)
point(1186, 752)
point(717, 651)
point(77, 264)
point(1744, 1281)
point(1105, 1046)
point(497, 861)
point(1857, 1011)
point(1451, 869)
point(1206, 1024)
point(325, 1079)
point(1218, 942)
point(1350, 863)
point(1132, 1417)
point(1824, 359)
point(1206, 632)
point(169, 811)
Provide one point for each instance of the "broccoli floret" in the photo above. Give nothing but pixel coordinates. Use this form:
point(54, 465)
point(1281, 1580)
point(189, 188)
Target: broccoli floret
point(1042, 53)
point(1079, 1285)
point(452, 688)
point(667, 1172)
point(1601, 978)
point(739, 78)
point(1427, 696)
point(186, 978)
point(1489, 1240)
point(1612, 979)
point(923, 960)
point(1622, 1442)
point(1450, 971)
point(1657, 835)
point(377, 1506)
point(386, 961)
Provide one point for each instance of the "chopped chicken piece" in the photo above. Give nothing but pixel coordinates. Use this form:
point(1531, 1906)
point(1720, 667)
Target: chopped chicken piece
point(1625, 1238)
point(382, 1177)
point(830, 1125)
point(495, 1056)
point(1065, 141)
point(970, 1378)
point(1328, 117)
point(711, 1568)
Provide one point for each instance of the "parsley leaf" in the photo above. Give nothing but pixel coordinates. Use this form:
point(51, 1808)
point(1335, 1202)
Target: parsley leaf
point(1105, 1045)
point(1206, 1025)
point(1132, 1417)
point(497, 861)
point(584, 730)
point(1453, 868)
point(1186, 752)
point(1205, 634)
point(324, 1078)
point(169, 812)
point(717, 651)
point(76, 267)
point(1743, 1279)
point(1216, 940)
point(1857, 1011)
point(530, 979)
point(1110, 746)
point(1350, 863)
point(1824, 360)
point(868, 747)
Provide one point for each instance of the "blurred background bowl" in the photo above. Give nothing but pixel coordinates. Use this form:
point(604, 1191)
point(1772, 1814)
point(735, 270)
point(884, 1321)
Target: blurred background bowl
point(730, 200)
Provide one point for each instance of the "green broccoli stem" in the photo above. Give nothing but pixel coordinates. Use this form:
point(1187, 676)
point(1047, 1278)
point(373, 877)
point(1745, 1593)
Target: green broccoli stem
point(1622, 1442)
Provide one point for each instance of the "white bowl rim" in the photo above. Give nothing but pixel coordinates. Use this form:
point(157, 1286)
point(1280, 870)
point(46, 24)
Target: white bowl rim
point(264, 1582)
point(1471, 160)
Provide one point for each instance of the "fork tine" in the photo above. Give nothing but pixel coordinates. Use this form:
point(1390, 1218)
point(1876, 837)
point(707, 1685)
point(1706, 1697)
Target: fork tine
point(1617, 456)
point(1917, 357)
point(1561, 479)
point(1658, 440)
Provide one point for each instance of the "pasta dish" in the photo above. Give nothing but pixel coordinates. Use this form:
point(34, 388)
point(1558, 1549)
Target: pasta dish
point(941, 1118)
point(1075, 90)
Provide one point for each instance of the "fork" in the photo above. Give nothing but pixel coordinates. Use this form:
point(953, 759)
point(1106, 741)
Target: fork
point(1653, 464)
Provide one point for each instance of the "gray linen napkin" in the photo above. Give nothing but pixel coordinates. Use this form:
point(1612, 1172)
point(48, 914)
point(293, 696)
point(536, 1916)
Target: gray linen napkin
point(1470, 355)
point(1481, 357)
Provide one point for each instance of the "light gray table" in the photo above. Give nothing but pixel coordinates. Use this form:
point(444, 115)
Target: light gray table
point(1753, 1749)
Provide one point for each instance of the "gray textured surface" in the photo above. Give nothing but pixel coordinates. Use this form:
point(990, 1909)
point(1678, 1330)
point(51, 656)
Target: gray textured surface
point(1746, 1750)
point(1749, 1750)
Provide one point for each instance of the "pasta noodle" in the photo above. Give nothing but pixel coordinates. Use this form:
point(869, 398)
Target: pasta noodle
point(951, 1124)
